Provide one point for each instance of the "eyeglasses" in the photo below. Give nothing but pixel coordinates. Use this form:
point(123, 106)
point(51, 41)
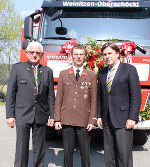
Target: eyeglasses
point(32, 53)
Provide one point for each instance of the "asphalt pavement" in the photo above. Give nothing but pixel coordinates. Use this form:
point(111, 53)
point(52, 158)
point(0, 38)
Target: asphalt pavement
point(54, 150)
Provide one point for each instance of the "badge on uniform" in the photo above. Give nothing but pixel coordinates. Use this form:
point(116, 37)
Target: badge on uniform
point(85, 96)
point(86, 92)
point(85, 86)
point(89, 84)
point(82, 85)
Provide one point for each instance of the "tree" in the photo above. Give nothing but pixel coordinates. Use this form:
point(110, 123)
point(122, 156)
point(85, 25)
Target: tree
point(10, 36)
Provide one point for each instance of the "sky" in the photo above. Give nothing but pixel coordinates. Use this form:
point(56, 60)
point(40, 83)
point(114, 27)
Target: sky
point(26, 7)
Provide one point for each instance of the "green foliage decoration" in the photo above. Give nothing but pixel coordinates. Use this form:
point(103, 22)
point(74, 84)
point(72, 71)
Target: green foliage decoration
point(145, 114)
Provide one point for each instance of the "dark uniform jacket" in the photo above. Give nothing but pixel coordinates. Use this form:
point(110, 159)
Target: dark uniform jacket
point(76, 101)
point(124, 100)
point(23, 102)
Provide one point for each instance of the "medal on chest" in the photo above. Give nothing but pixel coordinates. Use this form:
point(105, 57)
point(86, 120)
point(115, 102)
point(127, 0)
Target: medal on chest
point(82, 85)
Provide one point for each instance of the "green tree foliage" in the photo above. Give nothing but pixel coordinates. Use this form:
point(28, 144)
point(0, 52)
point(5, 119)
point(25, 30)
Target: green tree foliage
point(10, 37)
point(10, 24)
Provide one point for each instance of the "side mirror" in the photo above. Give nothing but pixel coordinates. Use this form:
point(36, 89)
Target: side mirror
point(25, 44)
point(28, 27)
point(56, 15)
point(142, 50)
point(28, 24)
point(61, 30)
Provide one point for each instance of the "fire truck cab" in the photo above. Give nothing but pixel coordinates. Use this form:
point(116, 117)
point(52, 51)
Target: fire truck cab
point(60, 20)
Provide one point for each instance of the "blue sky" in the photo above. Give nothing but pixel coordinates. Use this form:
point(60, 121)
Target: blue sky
point(26, 7)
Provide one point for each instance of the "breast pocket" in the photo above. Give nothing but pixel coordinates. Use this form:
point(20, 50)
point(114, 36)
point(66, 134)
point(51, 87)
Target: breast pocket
point(68, 87)
point(23, 81)
point(67, 84)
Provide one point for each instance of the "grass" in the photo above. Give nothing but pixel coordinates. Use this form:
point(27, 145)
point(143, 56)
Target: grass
point(2, 103)
point(3, 88)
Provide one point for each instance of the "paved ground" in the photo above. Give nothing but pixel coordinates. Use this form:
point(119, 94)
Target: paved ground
point(54, 151)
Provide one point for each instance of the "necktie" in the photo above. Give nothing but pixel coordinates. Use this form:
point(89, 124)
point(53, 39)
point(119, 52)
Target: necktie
point(35, 75)
point(77, 74)
point(109, 79)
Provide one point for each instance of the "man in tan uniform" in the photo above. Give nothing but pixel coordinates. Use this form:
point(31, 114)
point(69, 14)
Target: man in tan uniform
point(76, 107)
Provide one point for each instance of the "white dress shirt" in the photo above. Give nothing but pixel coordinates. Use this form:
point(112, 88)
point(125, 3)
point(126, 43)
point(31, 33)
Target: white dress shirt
point(75, 70)
point(115, 69)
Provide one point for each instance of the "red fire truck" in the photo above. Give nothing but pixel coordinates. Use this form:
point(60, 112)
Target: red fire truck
point(60, 20)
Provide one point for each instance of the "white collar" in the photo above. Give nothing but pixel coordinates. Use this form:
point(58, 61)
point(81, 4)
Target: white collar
point(116, 66)
point(75, 69)
point(35, 66)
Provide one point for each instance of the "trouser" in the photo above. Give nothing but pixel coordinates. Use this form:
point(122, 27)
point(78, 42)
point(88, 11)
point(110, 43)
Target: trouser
point(118, 146)
point(22, 144)
point(70, 133)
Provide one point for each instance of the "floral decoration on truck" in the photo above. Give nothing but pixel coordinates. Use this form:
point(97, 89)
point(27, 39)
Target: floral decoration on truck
point(94, 59)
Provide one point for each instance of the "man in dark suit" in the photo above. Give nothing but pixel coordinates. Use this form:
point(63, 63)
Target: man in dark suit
point(76, 107)
point(29, 104)
point(119, 100)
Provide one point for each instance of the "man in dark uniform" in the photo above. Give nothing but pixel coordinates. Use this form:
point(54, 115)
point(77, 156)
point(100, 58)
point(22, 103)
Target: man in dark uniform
point(76, 107)
point(119, 100)
point(30, 102)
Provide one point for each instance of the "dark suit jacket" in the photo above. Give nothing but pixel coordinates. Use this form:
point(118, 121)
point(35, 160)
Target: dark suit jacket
point(23, 102)
point(124, 100)
point(76, 101)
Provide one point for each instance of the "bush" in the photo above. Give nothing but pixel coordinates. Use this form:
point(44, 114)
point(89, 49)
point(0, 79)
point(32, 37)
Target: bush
point(2, 96)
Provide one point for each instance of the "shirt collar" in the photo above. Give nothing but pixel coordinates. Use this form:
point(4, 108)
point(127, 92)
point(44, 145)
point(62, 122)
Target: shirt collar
point(35, 66)
point(75, 68)
point(116, 66)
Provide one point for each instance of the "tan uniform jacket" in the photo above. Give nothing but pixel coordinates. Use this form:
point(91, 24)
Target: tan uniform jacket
point(76, 101)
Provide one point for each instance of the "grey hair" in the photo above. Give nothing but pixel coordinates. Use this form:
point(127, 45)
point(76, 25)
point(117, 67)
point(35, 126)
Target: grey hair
point(34, 43)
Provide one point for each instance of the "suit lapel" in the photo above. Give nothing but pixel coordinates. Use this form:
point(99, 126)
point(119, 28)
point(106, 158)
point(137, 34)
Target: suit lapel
point(104, 78)
point(30, 71)
point(71, 75)
point(73, 78)
point(82, 77)
point(116, 77)
point(40, 73)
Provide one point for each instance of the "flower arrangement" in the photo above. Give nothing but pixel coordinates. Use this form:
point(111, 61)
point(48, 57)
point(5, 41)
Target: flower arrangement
point(127, 50)
point(145, 114)
point(94, 59)
point(66, 49)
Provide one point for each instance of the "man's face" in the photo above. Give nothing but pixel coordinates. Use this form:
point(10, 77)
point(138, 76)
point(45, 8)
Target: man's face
point(78, 57)
point(34, 55)
point(110, 56)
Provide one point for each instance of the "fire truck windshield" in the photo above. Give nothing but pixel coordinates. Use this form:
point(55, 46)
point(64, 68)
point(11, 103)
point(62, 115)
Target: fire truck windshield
point(123, 24)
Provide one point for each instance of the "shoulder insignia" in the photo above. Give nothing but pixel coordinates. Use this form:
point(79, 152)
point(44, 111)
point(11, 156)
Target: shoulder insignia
point(71, 71)
point(84, 72)
point(28, 69)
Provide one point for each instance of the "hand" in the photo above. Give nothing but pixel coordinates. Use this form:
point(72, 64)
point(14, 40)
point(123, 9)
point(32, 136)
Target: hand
point(100, 123)
point(90, 127)
point(11, 122)
point(130, 124)
point(50, 122)
point(58, 125)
